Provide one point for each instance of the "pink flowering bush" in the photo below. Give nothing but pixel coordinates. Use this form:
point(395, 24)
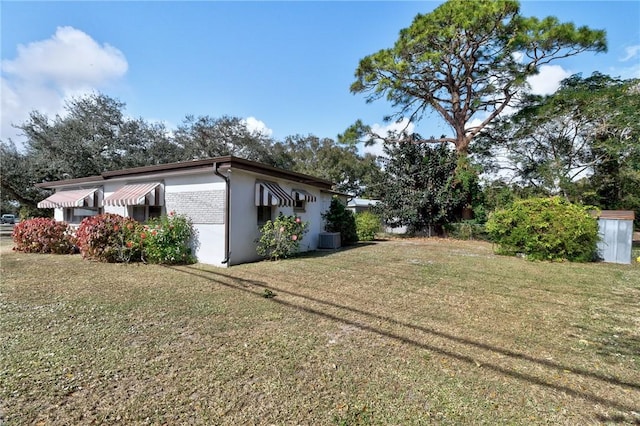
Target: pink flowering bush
point(44, 235)
point(113, 238)
point(110, 238)
point(281, 238)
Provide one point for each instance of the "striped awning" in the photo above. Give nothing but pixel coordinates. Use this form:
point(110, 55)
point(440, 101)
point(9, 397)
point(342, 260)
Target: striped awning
point(139, 194)
point(271, 194)
point(72, 198)
point(301, 194)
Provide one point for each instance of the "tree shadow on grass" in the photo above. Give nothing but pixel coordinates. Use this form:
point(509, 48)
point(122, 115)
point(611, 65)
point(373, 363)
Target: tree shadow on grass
point(257, 288)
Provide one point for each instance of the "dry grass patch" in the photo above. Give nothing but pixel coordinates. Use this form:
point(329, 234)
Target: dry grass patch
point(399, 332)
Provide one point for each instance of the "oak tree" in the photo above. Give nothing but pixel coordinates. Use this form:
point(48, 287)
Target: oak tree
point(92, 136)
point(208, 137)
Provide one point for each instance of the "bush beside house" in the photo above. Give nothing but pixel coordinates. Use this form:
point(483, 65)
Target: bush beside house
point(167, 240)
point(110, 238)
point(339, 219)
point(281, 238)
point(43, 235)
point(367, 225)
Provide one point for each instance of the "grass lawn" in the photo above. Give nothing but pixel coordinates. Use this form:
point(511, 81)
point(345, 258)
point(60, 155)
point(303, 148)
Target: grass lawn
point(397, 332)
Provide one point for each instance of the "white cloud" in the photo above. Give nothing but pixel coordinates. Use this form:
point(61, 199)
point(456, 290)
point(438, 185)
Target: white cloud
point(517, 56)
point(476, 122)
point(547, 81)
point(256, 126)
point(47, 72)
point(385, 130)
point(631, 52)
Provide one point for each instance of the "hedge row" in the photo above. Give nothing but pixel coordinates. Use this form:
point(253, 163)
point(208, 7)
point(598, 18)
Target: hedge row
point(110, 238)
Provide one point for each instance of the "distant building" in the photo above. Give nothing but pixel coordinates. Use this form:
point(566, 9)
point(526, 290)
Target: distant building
point(359, 205)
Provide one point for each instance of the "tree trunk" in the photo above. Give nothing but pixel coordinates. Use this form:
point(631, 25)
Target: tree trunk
point(462, 145)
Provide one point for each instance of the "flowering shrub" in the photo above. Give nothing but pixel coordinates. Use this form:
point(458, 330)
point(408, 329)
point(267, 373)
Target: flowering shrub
point(43, 235)
point(281, 238)
point(166, 240)
point(110, 238)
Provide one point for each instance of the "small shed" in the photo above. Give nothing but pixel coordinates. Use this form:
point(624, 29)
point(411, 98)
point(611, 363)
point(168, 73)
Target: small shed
point(615, 229)
point(359, 205)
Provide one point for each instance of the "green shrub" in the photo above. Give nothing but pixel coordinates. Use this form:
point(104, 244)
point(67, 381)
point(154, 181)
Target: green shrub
point(114, 238)
point(367, 226)
point(110, 238)
point(339, 219)
point(43, 235)
point(545, 229)
point(167, 240)
point(28, 212)
point(466, 230)
point(281, 238)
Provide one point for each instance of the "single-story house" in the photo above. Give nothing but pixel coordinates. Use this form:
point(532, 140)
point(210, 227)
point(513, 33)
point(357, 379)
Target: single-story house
point(226, 198)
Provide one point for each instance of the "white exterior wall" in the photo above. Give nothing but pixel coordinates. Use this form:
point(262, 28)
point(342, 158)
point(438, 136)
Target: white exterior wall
point(201, 197)
point(58, 215)
point(244, 215)
point(204, 195)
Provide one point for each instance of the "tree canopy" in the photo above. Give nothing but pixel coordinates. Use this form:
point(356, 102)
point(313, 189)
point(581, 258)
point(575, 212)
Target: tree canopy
point(468, 60)
point(324, 158)
point(425, 186)
point(207, 137)
point(582, 142)
point(94, 135)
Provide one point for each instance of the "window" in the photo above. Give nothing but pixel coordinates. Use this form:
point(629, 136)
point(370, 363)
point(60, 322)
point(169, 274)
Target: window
point(75, 215)
point(299, 206)
point(300, 199)
point(144, 213)
point(139, 213)
point(155, 211)
point(264, 214)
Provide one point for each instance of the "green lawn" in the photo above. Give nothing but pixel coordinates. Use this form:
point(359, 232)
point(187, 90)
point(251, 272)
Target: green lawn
point(397, 332)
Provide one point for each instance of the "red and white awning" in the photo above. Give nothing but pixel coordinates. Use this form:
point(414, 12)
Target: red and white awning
point(271, 194)
point(72, 198)
point(139, 194)
point(301, 194)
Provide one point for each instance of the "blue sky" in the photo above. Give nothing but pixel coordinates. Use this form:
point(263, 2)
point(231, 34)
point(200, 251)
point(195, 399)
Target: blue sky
point(284, 66)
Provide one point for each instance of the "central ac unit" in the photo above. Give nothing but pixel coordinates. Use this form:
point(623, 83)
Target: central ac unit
point(329, 240)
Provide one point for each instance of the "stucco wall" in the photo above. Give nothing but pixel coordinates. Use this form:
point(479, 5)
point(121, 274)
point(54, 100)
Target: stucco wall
point(182, 194)
point(244, 219)
point(198, 196)
point(201, 197)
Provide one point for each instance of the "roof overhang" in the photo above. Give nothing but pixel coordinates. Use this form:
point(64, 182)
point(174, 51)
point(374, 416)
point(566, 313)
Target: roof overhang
point(185, 167)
